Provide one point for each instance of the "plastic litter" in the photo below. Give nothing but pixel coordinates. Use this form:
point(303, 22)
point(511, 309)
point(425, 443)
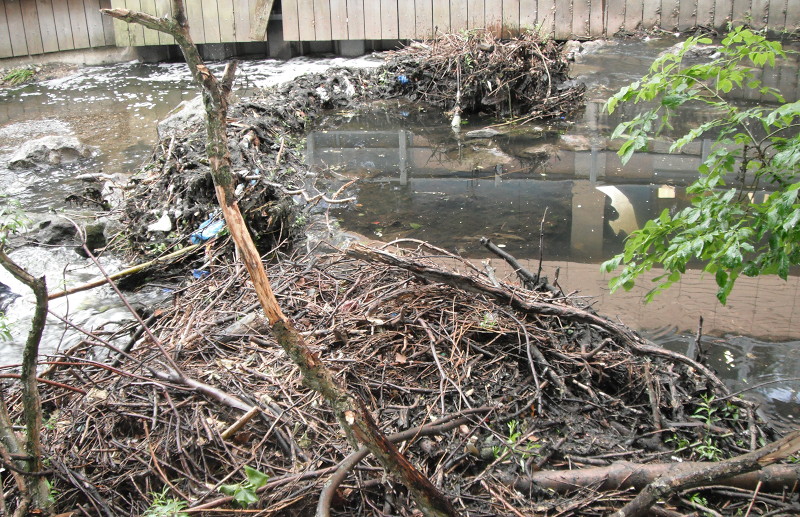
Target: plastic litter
point(207, 229)
point(402, 79)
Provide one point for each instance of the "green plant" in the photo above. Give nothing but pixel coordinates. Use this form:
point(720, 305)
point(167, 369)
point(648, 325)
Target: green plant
point(489, 321)
point(680, 443)
point(707, 449)
point(244, 493)
point(705, 410)
point(724, 228)
point(12, 218)
point(19, 75)
point(163, 506)
point(512, 444)
point(698, 500)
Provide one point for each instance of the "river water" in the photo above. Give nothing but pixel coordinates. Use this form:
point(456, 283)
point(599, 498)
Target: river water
point(418, 179)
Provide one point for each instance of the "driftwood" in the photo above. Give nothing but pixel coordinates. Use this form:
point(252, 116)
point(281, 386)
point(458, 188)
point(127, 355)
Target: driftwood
point(351, 413)
point(710, 474)
point(625, 475)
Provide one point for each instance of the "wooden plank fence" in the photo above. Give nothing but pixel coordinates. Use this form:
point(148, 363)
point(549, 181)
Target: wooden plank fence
point(37, 26)
point(563, 19)
point(29, 27)
point(210, 21)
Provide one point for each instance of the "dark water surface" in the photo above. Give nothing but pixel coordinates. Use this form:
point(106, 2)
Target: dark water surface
point(418, 179)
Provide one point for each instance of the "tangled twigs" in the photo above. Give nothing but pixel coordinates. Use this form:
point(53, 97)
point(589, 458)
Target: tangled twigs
point(475, 72)
point(440, 426)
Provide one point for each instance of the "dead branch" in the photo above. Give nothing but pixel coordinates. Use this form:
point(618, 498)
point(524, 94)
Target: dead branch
point(708, 474)
point(351, 413)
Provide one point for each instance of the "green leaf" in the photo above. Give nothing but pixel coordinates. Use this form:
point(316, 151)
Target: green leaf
point(255, 477)
point(230, 489)
point(245, 497)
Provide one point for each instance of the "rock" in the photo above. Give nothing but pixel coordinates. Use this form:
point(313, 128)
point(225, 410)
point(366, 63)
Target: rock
point(486, 132)
point(186, 115)
point(696, 52)
point(570, 49)
point(588, 47)
point(54, 232)
point(539, 151)
point(95, 239)
point(49, 151)
point(7, 297)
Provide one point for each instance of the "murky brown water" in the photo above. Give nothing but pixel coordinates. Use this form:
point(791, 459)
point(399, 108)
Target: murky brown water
point(418, 179)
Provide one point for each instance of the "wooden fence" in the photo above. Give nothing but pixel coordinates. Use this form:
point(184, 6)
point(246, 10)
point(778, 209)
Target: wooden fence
point(39, 26)
point(322, 20)
point(29, 27)
point(210, 21)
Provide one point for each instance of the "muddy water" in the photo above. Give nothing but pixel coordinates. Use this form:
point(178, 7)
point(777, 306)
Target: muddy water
point(418, 179)
point(114, 108)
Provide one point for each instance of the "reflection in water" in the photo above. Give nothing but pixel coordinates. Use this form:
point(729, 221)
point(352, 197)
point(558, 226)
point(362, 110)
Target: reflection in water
point(418, 179)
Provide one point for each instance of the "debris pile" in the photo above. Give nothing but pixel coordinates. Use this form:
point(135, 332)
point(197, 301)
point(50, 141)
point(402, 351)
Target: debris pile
point(526, 77)
point(482, 382)
point(523, 77)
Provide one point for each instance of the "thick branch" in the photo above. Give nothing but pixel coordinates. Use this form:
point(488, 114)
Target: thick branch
point(31, 401)
point(710, 474)
point(624, 475)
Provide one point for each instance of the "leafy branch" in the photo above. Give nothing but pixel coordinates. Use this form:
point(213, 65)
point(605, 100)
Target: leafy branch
point(724, 228)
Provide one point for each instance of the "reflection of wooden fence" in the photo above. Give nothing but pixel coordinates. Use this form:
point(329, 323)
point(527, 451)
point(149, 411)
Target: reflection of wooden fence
point(406, 19)
point(30, 27)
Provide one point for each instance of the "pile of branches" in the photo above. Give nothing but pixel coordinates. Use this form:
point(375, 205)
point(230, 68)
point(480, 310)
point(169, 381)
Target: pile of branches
point(484, 384)
point(474, 72)
point(265, 135)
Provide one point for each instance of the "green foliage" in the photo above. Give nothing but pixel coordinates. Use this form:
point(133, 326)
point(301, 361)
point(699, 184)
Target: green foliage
point(12, 218)
point(163, 506)
point(244, 493)
point(512, 445)
point(754, 148)
point(19, 75)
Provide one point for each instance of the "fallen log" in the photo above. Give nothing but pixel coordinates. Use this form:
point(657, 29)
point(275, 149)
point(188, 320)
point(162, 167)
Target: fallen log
point(711, 473)
point(624, 475)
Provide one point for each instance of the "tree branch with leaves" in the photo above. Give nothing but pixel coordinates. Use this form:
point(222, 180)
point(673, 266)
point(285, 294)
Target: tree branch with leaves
point(754, 149)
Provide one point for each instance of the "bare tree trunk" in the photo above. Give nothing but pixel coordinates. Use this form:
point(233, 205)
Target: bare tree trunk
point(350, 412)
point(37, 486)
